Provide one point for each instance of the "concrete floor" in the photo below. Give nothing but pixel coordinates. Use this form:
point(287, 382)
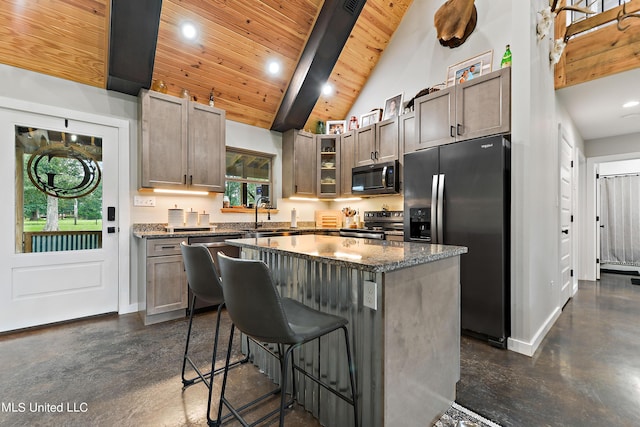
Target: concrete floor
point(111, 370)
point(585, 373)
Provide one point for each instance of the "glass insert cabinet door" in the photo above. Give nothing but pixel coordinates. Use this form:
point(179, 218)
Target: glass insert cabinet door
point(58, 191)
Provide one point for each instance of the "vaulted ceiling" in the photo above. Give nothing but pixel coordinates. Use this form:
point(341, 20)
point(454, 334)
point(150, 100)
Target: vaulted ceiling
point(236, 38)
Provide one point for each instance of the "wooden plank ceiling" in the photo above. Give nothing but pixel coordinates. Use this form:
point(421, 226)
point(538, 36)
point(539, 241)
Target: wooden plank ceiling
point(237, 38)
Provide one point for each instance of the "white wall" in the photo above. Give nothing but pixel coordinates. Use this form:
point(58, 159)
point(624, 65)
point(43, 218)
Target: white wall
point(598, 151)
point(620, 167)
point(45, 90)
point(415, 60)
point(240, 136)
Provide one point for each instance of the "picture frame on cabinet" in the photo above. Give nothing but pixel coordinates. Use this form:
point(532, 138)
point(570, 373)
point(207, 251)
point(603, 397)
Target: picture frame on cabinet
point(369, 118)
point(392, 107)
point(336, 127)
point(470, 68)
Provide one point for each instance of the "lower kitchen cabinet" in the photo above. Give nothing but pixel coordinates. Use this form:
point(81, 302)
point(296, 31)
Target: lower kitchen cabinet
point(163, 283)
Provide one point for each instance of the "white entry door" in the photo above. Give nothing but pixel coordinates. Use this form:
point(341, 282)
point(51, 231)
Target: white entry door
point(566, 218)
point(60, 254)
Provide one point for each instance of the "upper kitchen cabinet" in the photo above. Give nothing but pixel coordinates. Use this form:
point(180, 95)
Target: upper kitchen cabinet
point(347, 161)
point(299, 160)
point(328, 158)
point(182, 143)
point(476, 108)
point(377, 142)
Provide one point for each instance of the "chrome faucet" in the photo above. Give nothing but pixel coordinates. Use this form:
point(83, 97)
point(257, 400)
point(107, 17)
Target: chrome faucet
point(259, 201)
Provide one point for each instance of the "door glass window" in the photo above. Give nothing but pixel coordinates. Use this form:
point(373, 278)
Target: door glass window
point(58, 191)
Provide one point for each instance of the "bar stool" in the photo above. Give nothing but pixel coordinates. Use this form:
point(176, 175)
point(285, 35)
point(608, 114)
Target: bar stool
point(204, 282)
point(257, 310)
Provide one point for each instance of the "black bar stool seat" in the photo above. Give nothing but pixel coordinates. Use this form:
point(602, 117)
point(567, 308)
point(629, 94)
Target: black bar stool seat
point(204, 282)
point(257, 310)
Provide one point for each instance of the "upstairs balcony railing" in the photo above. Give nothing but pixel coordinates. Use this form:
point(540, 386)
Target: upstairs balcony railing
point(598, 44)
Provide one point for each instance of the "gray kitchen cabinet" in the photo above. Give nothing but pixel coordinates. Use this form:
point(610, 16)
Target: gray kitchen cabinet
point(476, 108)
point(365, 142)
point(347, 161)
point(406, 137)
point(328, 170)
point(182, 143)
point(377, 142)
point(407, 132)
point(163, 282)
point(386, 140)
point(299, 164)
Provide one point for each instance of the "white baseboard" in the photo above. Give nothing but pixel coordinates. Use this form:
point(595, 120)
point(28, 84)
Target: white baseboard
point(131, 308)
point(529, 347)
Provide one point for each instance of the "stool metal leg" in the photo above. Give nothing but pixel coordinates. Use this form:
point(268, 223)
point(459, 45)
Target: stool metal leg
point(203, 377)
point(352, 379)
point(187, 382)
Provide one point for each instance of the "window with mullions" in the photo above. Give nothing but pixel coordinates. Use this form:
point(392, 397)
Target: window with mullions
point(248, 176)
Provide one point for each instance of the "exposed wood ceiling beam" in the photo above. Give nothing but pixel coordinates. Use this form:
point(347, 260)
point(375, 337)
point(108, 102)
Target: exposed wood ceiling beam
point(329, 35)
point(132, 46)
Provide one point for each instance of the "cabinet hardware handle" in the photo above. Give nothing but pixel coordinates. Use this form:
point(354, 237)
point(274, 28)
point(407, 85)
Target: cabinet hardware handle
point(458, 127)
point(371, 155)
point(565, 231)
point(376, 155)
point(184, 180)
point(167, 247)
point(452, 131)
point(190, 179)
point(296, 188)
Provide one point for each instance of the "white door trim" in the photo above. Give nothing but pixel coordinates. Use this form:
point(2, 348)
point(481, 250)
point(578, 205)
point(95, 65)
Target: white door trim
point(566, 200)
point(590, 221)
point(124, 289)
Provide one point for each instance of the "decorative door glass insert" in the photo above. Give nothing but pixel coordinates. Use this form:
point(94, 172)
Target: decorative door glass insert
point(58, 191)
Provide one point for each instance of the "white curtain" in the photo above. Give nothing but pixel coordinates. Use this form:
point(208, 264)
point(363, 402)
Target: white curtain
point(620, 212)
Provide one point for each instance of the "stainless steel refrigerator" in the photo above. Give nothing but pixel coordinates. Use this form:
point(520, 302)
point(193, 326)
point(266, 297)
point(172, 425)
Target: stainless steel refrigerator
point(459, 194)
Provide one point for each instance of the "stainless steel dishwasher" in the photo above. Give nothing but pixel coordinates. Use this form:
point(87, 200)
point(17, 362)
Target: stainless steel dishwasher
point(215, 244)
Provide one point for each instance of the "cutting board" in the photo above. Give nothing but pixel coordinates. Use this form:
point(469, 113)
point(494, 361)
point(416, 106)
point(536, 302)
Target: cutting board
point(328, 219)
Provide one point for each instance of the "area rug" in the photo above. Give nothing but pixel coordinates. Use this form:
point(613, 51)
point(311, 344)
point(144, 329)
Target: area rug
point(459, 416)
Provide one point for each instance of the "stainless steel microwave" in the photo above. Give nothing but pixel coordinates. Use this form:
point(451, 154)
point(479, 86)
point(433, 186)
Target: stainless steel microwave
point(378, 178)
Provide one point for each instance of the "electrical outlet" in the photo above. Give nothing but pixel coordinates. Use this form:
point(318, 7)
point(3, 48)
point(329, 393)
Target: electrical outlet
point(370, 295)
point(148, 201)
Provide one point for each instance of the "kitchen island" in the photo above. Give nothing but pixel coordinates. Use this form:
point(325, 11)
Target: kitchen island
point(402, 301)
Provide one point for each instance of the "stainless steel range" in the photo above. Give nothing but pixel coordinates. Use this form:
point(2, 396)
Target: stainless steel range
point(378, 225)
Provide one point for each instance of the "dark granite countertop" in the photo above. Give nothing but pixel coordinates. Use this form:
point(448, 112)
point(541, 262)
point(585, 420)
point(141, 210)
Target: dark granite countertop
point(361, 254)
point(213, 231)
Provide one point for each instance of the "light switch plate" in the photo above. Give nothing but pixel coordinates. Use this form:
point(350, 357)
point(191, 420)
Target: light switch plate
point(148, 201)
point(370, 295)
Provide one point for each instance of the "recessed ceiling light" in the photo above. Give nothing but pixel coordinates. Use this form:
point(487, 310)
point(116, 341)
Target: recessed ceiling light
point(630, 104)
point(327, 89)
point(273, 67)
point(189, 31)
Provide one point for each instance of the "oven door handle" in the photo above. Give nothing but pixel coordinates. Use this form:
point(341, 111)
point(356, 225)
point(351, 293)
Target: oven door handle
point(211, 244)
point(362, 234)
